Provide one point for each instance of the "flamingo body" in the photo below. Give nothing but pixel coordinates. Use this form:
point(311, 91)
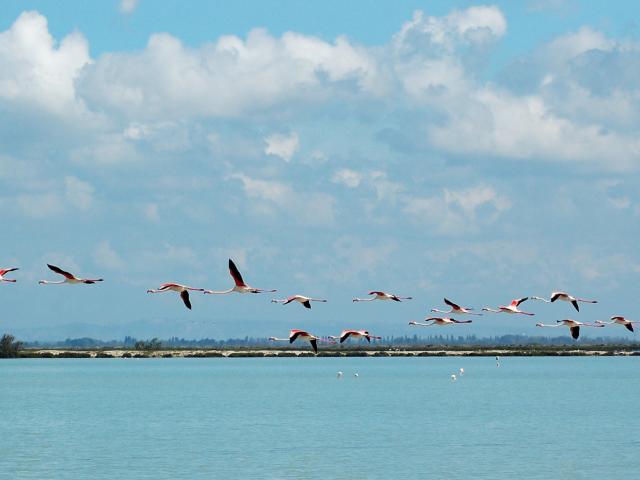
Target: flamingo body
point(240, 285)
point(305, 301)
point(183, 290)
point(379, 295)
point(68, 277)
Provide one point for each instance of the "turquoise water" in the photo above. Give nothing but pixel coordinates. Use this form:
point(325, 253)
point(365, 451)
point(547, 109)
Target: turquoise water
point(543, 417)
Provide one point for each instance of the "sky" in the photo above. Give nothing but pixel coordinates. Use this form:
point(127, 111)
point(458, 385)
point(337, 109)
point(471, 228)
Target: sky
point(479, 152)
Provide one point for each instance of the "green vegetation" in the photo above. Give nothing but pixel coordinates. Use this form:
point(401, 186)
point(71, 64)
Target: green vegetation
point(148, 345)
point(9, 347)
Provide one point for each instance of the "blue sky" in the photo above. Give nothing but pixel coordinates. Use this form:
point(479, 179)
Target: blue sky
point(481, 152)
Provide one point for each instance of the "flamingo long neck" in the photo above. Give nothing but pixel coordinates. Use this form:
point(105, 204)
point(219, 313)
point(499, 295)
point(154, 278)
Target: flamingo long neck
point(441, 311)
point(8, 280)
point(48, 282)
point(275, 339)
point(493, 310)
point(363, 299)
point(424, 324)
point(216, 292)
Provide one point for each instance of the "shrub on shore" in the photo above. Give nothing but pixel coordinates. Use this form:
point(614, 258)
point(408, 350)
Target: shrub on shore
point(9, 346)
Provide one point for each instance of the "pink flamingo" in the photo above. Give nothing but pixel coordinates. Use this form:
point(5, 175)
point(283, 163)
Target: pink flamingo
point(565, 297)
point(302, 335)
point(574, 326)
point(306, 301)
point(3, 271)
point(456, 309)
point(68, 278)
point(628, 324)
point(511, 308)
point(439, 321)
point(377, 295)
point(354, 334)
point(183, 290)
point(240, 285)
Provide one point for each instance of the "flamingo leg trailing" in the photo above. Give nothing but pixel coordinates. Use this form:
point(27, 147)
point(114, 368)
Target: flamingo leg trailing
point(240, 285)
point(4, 271)
point(183, 290)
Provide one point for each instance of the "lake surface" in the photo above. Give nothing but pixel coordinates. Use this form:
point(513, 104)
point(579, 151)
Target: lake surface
point(292, 418)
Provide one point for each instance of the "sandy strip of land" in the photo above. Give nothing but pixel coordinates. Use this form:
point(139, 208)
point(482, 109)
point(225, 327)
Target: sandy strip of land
point(200, 353)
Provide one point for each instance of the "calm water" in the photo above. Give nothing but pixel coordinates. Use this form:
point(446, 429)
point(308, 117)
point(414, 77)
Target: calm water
point(292, 418)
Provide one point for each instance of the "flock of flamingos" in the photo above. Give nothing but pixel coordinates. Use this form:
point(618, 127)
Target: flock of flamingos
point(242, 287)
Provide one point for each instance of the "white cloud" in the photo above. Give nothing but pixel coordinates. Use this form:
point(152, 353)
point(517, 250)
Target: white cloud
point(35, 71)
point(457, 210)
point(347, 177)
point(127, 7)
point(229, 78)
point(283, 146)
point(474, 25)
point(271, 197)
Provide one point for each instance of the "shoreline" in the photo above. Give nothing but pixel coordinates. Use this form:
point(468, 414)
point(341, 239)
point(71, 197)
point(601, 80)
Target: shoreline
point(354, 352)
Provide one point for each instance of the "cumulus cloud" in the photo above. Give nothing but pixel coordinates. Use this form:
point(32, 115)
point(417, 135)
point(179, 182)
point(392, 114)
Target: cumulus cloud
point(229, 78)
point(37, 72)
point(457, 210)
point(283, 146)
point(270, 197)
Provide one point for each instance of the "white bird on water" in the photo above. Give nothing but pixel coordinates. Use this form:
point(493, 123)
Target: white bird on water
point(461, 371)
point(453, 377)
point(339, 375)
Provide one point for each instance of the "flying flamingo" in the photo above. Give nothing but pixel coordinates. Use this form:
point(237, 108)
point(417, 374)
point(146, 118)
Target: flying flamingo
point(457, 309)
point(7, 270)
point(68, 278)
point(511, 308)
point(302, 335)
point(354, 334)
point(565, 297)
point(377, 295)
point(240, 285)
point(574, 326)
point(628, 324)
point(183, 290)
point(306, 301)
point(440, 321)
